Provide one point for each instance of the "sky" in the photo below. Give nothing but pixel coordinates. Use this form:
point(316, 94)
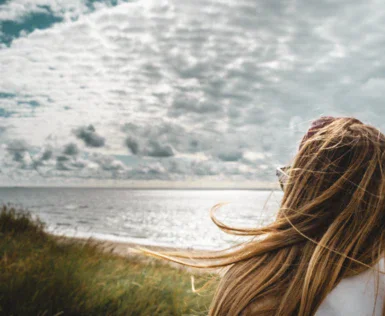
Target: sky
point(156, 93)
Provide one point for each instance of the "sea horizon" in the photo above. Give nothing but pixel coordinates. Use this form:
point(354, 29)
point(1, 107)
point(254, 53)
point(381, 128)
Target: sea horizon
point(141, 188)
point(160, 217)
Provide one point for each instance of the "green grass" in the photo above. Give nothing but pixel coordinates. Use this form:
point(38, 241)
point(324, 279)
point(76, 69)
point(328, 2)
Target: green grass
point(41, 276)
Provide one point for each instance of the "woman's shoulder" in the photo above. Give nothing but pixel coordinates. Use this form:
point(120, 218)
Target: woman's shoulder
point(357, 295)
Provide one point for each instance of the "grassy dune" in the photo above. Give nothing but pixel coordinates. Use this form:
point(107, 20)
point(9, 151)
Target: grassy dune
point(41, 276)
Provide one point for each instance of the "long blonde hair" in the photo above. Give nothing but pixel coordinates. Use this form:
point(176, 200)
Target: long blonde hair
point(330, 225)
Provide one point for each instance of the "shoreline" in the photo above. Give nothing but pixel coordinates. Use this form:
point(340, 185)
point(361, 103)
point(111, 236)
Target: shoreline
point(127, 250)
point(122, 246)
point(90, 277)
point(266, 187)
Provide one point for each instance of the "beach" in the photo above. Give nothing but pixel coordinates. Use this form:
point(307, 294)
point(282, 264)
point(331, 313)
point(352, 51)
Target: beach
point(44, 274)
point(131, 250)
point(82, 255)
point(165, 218)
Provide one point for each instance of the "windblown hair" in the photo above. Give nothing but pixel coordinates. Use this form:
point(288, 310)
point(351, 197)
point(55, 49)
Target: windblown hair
point(330, 225)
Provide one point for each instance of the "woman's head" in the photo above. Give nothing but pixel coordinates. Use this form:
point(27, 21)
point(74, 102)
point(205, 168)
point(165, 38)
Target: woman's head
point(334, 198)
point(337, 178)
point(330, 225)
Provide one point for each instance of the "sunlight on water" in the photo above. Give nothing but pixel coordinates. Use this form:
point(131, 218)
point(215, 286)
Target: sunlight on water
point(162, 217)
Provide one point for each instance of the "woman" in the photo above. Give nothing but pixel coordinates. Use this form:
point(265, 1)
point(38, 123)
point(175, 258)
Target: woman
point(323, 253)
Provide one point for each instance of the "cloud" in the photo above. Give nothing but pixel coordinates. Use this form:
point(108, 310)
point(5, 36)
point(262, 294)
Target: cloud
point(49, 162)
point(39, 20)
point(63, 163)
point(71, 163)
point(18, 150)
point(5, 113)
point(157, 140)
point(108, 163)
point(132, 145)
point(230, 155)
point(193, 102)
point(97, 166)
point(170, 135)
point(17, 145)
point(166, 87)
point(155, 149)
point(44, 157)
point(152, 148)
point(71, 149)
point(253, 157)
point(149, 171)
point(3, 129)
point(89, 136)
point(18, 10)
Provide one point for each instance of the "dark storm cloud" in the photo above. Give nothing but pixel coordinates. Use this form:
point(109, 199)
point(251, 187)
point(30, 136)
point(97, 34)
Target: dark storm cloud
point(230, 156)
point(18, 150)
point(156, 149)
point(153, 140)
point(71, 149)
point(19, 156)
point(70, 163)
point(165, 138)
point(47, 154)
point(43, 158)
point(62, 163)
point(132, 145)
point(89, 136)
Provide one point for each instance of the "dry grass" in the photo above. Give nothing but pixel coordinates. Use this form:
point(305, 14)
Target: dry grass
point(41, 276)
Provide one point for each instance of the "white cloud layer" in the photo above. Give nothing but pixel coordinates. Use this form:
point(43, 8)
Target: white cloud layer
point(185, 89)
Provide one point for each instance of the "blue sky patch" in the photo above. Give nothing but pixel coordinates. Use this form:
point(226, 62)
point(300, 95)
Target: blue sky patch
point(6, 95)
point(128, 160)
point(31, 103)
point(9, 30)
point(90, 3)
point(5, 113)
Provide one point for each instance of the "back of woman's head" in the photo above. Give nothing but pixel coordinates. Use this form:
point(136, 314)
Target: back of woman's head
point(334, 200)
point(330, 225)
point(337, 180)
point(336, 183)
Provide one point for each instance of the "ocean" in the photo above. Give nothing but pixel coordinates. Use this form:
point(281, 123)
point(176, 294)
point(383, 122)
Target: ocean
point(178, 218)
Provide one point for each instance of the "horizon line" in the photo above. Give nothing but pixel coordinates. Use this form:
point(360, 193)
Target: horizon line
point(135, 188)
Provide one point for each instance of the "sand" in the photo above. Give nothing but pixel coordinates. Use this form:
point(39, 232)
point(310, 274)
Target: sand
point(127, 250)
point(120, 248)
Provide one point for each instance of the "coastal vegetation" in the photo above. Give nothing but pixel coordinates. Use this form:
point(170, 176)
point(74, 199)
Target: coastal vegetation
point(40, 275)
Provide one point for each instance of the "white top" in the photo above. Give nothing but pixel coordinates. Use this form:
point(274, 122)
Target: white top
point(355, 296)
